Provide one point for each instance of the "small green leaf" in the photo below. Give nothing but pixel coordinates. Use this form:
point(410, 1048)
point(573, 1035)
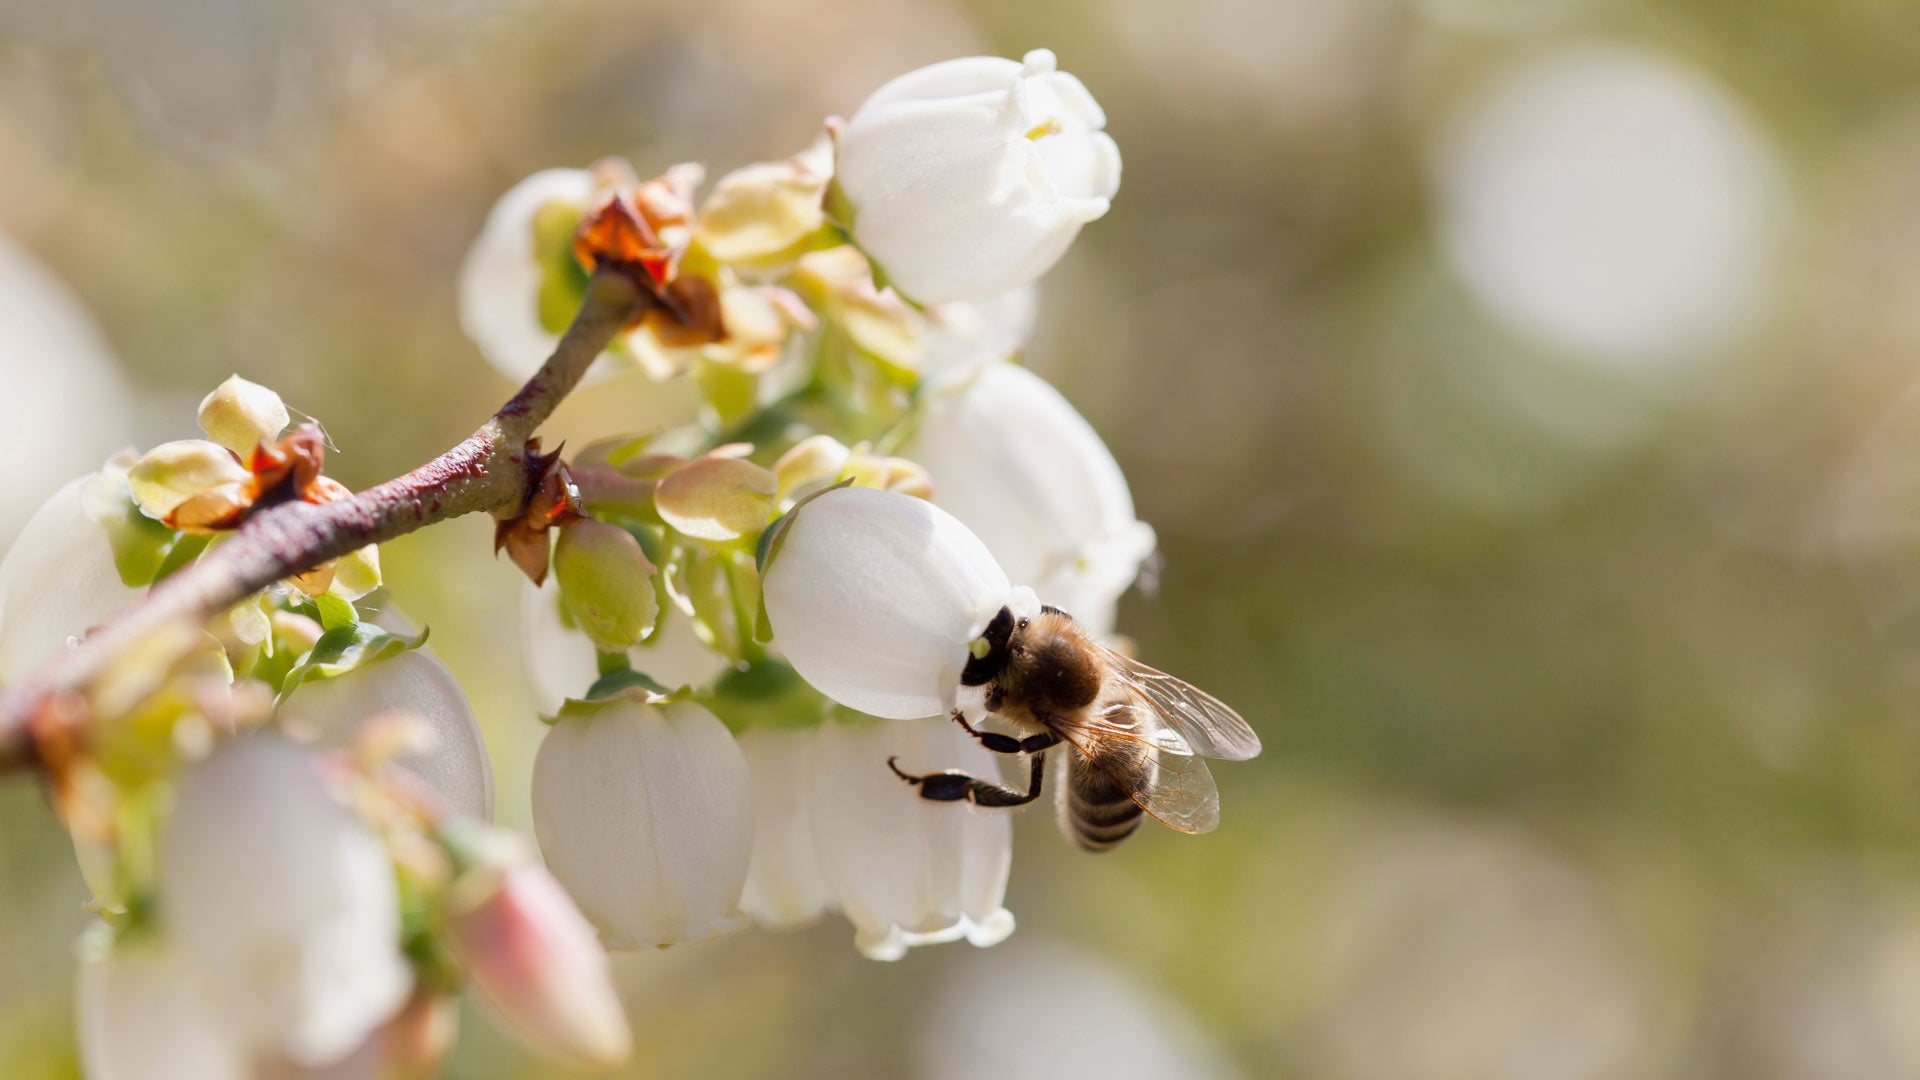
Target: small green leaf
point(344, 648)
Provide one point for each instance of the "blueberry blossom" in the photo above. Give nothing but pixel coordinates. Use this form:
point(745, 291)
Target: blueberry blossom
point(907, 871)
point(284, 902)
point(513, 286)
point(1013, 460)
point(784, 884)
point(59, 579)
point(875, 598)
point(454, 761)
point(645, 813)
point(143, 1016)
point(969, 178)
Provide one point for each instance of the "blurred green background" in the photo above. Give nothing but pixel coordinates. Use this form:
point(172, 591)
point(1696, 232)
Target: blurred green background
point(1520, 389)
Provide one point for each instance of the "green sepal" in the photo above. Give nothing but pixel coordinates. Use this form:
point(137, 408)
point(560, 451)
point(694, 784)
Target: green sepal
point(620, 680)
point(613, 688)
point(140, 544)
point(767, 694)
point(345, 648)
point(336, 612)
point(185, 549)
point(775, 534)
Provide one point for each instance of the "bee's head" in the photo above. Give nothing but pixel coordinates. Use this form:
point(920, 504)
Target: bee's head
point(990, 651)
point(1042, 660)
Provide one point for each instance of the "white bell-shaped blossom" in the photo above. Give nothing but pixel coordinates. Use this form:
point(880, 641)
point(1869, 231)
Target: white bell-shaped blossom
point(874, 597)
point(1013, 460)
point(784, 884)
point(645, 814)
point(905, 870)
point(143, 1016)
point(72, 406)
point(501, 281)
point(58, 580)
point(284, 902)
point(454, 763)
point(969, 178)
point(562, 663)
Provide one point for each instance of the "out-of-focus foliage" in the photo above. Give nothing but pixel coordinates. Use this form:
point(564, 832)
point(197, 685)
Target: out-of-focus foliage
point(1523, 394)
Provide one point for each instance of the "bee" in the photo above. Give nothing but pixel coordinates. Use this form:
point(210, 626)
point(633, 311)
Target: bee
point(1138, 735)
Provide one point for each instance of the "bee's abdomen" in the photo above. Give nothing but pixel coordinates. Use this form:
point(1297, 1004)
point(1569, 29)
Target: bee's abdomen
point(1099, 814)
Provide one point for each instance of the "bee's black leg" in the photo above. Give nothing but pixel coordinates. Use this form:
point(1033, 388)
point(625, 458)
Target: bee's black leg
point(955, 786)
point(1006, 744)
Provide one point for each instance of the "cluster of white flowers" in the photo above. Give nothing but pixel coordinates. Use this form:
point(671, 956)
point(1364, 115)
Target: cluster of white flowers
point(285, 821)
point(727, 787)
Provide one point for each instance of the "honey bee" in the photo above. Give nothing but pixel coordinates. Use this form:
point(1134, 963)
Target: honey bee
point(1138, 735)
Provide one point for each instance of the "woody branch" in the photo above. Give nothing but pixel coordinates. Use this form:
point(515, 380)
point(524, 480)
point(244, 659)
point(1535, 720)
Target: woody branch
point(486, 471)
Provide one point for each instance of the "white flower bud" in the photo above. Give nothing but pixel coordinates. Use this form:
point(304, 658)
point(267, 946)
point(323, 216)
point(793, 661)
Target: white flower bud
point(168, 475)
point(502, 279)
point(57, 581)
point(562, 662)
point(875, 596)
point(143, 1016)
point(241, 415)
point(969, 178)
point(533, 957)
point(905, 870)
point(645, 813)
point(284, 902)
point(416, 681)
point(1013, 461)
point(784, 885)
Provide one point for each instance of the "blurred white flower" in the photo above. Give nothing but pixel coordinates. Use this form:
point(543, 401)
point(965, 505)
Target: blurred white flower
point(960, 338)
point(1016, 464)
point(58, 580)
point(907, 871)
point(784, 885)
point(969, 178)
point(562, 663)
point(455, 764)
point(645, 813)
point(502, 280)
point(1612, 201)
point(534, 958)
point(75, 406)
point(874, 597)
point(1101, 1021)
point(142, 1016)
point(285, 903)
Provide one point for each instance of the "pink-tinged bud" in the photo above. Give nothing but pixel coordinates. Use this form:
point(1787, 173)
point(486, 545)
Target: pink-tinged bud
point(534, 958)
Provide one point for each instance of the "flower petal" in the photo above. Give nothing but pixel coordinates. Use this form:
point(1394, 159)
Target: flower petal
point(874, 597)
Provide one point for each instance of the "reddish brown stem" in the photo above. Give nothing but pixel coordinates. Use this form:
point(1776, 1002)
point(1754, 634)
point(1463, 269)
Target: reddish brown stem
point(486, 471)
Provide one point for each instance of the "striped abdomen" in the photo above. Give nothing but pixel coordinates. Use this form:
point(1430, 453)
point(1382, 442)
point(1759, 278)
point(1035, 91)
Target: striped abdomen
point(1096, 812)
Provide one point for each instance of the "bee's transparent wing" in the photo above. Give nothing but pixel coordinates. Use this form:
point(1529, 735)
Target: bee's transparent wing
point(1166, 780)
point(1207, 725)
